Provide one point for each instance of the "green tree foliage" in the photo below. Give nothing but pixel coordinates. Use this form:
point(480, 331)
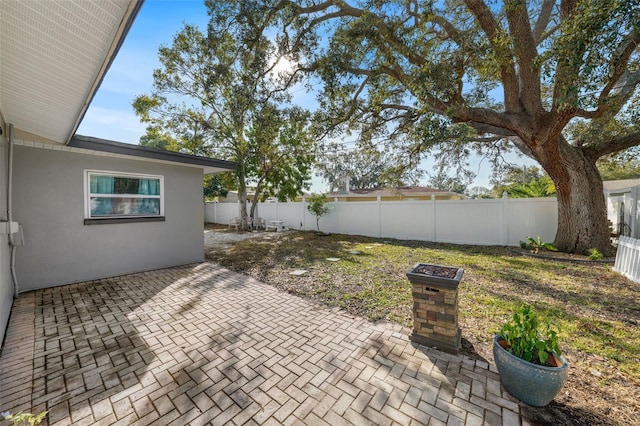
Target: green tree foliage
point(366, 167)
point(220, 93)
point(458, 183)
point(214, 185)
point(525, 182)
point(477, 75)
point(155, 139)
point(480, 192)
point(280, 162)
point(624, 165)
point(535, 188)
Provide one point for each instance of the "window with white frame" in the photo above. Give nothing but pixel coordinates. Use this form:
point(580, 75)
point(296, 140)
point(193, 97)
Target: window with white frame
point(123, 195)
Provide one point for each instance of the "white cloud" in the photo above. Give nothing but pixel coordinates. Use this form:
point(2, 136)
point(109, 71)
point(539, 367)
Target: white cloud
point(112, 124)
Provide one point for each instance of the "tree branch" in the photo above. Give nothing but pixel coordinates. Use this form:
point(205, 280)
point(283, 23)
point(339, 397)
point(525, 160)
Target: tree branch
point(567, 69)
point(354, 101)
point(486, 129)
point(619, 62)
point(491, 121)
point(526, 54)
point(543, 21)
point(507, 68)
point(618, 97)
point(397, 107)
point(611, 146)
point(314, 8)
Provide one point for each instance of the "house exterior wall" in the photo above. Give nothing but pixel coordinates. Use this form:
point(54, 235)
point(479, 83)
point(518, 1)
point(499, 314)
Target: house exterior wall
point(60, 249)
point(6, 285)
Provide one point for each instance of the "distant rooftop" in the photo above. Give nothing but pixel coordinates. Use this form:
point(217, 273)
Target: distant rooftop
point(616, 185)
point(388, 192)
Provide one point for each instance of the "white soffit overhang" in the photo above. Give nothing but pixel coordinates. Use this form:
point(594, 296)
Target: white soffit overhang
point(53, 56)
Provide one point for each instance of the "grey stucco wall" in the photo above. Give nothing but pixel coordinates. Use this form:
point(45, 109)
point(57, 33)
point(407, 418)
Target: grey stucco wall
point(60, 249)
point(6, 286)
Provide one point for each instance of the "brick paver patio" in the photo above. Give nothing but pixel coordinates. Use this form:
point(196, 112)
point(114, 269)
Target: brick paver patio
point(202, 345)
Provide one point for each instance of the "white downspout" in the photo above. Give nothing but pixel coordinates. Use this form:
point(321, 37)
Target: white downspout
point(10, 211)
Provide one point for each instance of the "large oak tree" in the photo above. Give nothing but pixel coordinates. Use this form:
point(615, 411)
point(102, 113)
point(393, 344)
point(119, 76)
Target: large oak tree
point(549, 77)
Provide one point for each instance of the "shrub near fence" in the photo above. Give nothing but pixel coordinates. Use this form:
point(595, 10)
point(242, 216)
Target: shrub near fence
point(483, 222)
point(628, 258)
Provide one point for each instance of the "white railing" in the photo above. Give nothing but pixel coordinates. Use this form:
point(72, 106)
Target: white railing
point(628, 258)
point(502, 221)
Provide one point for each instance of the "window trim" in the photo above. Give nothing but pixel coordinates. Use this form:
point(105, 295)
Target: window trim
point(92, 220)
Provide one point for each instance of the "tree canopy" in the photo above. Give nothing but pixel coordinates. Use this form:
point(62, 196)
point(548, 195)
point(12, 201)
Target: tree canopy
point(524, 182)
point(624, 165)
point(459, 182)
point(221, 93)
point(365, 167)
point(556, 79)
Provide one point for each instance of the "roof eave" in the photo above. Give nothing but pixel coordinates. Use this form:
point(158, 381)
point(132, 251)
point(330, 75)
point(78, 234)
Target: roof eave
point(123, 29)
point(210, 165)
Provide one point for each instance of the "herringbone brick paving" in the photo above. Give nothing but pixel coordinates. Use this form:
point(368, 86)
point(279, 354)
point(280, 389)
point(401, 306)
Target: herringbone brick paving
point(202, 345)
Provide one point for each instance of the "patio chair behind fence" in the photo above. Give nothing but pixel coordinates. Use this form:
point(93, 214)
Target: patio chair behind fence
point(628, 258)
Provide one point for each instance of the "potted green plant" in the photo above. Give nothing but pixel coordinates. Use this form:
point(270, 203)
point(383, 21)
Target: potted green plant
point(528, 358)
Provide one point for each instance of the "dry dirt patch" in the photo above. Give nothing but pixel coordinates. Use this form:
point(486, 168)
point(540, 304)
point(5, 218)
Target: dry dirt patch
point(222, 237)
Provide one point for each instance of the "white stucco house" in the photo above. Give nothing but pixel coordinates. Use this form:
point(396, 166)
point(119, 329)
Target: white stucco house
point(75, 208)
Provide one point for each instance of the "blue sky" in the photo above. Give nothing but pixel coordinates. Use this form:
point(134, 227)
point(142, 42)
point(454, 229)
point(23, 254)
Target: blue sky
point(110, 115)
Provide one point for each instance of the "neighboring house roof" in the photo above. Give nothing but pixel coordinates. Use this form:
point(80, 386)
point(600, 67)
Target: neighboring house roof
point(616, 185)
point(406, 191)
point(54, 55)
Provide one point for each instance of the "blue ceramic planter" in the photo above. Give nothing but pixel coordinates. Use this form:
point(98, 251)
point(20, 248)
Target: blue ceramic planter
point(532, 384)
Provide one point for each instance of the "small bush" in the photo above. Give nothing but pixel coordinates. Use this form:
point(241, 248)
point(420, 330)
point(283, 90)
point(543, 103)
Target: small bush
point(537, 244)
point(594, 254)
point(317, 207)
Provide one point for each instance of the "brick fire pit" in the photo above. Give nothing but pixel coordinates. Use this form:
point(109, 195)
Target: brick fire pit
point(435, 306)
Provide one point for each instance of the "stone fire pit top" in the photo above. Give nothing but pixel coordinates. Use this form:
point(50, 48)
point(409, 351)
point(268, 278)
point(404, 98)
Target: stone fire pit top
point(435, 270)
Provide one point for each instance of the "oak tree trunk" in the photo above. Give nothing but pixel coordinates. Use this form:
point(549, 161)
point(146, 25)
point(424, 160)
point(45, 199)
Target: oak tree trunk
point(582, 215)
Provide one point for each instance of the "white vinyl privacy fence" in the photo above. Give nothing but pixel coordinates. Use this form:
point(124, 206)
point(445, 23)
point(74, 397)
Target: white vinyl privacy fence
point(628, 258)
point(502, 221)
